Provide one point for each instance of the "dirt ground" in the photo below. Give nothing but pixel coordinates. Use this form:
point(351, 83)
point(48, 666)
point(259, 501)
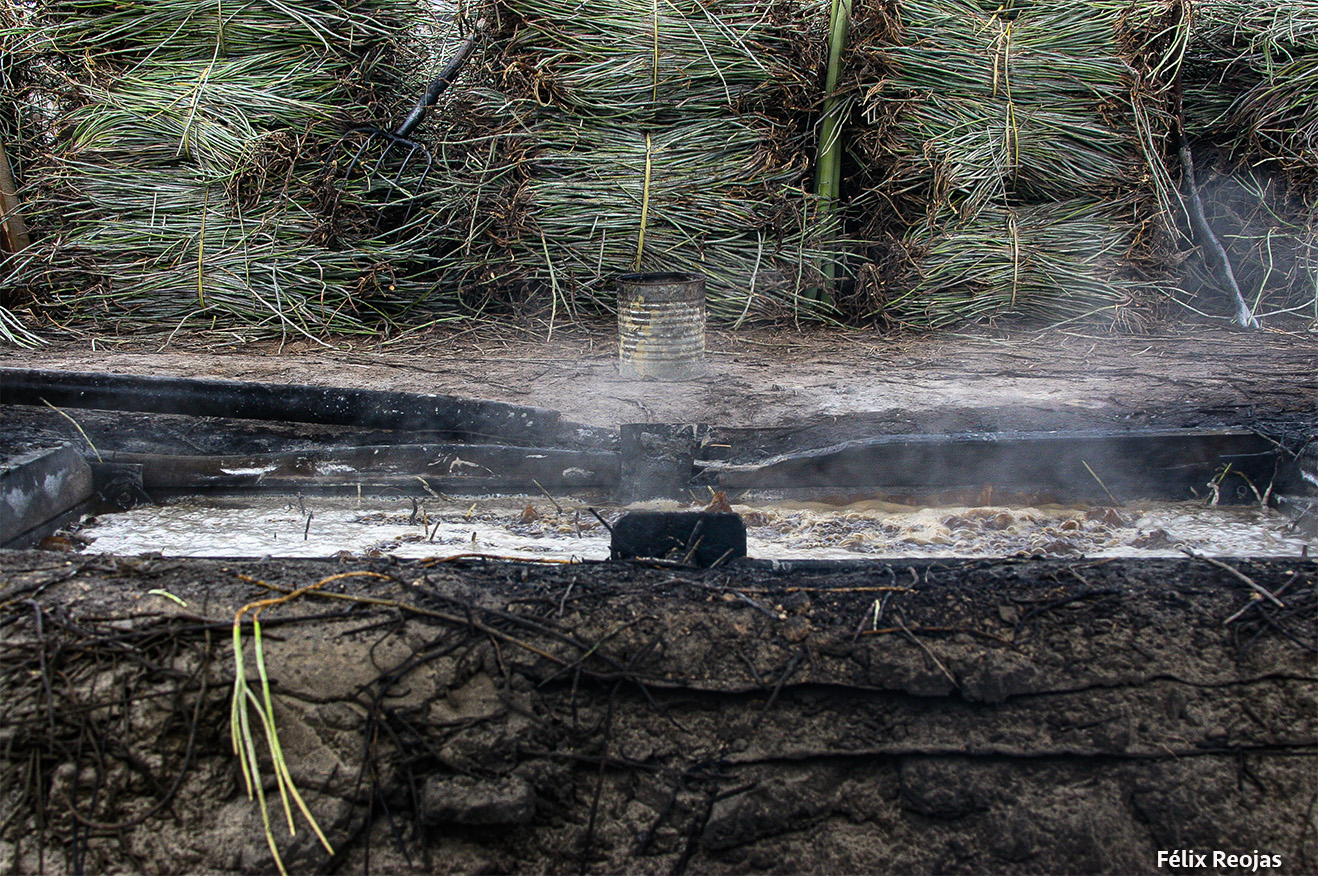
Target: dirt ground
point(479, 717)
point(777, 377)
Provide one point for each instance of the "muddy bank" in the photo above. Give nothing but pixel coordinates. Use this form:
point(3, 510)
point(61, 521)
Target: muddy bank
point(959, 716)
point(980, 381)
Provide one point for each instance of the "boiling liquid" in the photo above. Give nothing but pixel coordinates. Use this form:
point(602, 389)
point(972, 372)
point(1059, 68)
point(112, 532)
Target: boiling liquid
point(503, 526)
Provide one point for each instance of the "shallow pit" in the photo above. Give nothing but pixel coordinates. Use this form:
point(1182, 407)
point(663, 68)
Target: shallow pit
point(986, 680)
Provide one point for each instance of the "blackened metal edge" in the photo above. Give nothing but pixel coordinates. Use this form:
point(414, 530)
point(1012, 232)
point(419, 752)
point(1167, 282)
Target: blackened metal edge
point(39, 488)
point(657, 460)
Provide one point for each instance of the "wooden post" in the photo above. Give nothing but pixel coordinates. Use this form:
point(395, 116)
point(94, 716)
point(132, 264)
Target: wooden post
point(13, 231)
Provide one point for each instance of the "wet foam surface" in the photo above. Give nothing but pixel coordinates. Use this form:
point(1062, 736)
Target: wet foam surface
point(326, 527)
point(1137, 530)
point(530, 527)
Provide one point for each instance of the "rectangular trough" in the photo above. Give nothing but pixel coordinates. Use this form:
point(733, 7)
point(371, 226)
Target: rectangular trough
point(540, 453)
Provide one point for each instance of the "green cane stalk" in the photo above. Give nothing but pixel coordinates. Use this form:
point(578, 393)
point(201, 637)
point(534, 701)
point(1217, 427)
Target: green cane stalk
point(828, 170)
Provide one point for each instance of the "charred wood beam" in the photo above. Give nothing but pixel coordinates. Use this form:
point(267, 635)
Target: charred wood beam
point(450, 415)
point(1165, 463)
point(413, 467)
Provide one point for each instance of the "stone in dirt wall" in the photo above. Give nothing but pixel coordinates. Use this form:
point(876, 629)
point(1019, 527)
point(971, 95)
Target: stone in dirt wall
point(956, 716)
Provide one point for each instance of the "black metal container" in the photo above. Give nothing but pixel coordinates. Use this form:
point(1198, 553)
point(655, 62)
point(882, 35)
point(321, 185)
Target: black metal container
point(697, 538)
point(657, 460)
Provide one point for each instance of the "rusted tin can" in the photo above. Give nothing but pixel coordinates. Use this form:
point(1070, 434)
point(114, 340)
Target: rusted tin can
point(661, 326)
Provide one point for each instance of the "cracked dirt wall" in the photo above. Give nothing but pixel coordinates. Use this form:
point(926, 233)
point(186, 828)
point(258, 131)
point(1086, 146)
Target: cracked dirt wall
point(957, 716)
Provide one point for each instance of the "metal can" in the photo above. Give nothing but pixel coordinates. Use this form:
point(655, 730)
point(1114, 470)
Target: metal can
point(661, 326)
